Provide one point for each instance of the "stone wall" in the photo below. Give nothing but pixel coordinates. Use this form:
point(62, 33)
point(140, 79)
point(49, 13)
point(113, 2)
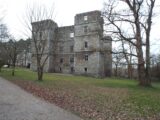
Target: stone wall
point(88, 30)
point(106, 49)
point(77, 49)
point(44, 32)
point(65, 49)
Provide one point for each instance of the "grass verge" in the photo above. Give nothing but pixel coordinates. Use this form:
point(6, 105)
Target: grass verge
point(92, 98)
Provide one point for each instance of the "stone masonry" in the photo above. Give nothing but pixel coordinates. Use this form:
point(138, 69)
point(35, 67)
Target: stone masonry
point(79, 49)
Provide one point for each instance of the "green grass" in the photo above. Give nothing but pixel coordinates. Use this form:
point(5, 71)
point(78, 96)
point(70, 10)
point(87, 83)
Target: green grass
point(118, 95)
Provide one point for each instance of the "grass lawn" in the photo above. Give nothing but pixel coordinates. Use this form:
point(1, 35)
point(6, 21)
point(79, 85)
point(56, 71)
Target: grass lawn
point(92, 98)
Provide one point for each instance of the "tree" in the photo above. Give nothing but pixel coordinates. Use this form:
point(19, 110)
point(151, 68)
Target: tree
point(132, 23)
point(12, 50)
point(147, 27)
point(1, 63)
point(155, 66)
point(117, 61)
point(3, 56)
point(40, 18)
point(24, 55)
point(3, 37)
point(4, 34)
point(128, 57)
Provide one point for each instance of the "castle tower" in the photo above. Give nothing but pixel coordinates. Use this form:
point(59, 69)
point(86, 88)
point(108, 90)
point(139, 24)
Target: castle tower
point(88, 43)
point(44, 32)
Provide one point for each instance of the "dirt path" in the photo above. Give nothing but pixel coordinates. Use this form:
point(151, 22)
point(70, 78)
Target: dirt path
point(16, 104)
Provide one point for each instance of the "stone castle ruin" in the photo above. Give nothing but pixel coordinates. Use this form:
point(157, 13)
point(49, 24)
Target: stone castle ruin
point(79, 49)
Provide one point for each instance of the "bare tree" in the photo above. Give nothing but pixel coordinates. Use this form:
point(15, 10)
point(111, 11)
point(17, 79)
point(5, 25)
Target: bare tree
point(3, 56)
point(12, 49)
point(2, 60)
point(38, 19)
point(1, 64)
point(133, 24)
point(147, 26)
point(155, 66)
point(128, 57)
point(3, 37)
point(4, 34)
point(117, 59)
point(24, 54)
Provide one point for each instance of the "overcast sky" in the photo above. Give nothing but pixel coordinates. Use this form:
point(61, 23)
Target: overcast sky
point(65, 10)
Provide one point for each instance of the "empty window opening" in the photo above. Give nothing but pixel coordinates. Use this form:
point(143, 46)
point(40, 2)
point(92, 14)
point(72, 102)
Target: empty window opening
point(40, 46)
point(86, 44)
point(61, 60)
point(71, 60)
point(85, 69)
point(85, 29)
point(85, 18)
point(72, 69)
point(71, 48)
point(71, 35)
point(60, 69)
point(86, 57)
point(40, 35)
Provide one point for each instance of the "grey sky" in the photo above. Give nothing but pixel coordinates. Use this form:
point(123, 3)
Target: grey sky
point(65, 10)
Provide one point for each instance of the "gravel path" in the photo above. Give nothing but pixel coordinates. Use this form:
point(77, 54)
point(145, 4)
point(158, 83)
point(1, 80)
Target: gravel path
point(16, 104)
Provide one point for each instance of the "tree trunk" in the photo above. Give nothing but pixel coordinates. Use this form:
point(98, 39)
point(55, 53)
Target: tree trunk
point(40, 73)
point(13, 70)
point(141, 63)
point(116, 71)
point(141, 73)
point(148, 31)
point(148, 79)
point(141, 69)
point(129, 71)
